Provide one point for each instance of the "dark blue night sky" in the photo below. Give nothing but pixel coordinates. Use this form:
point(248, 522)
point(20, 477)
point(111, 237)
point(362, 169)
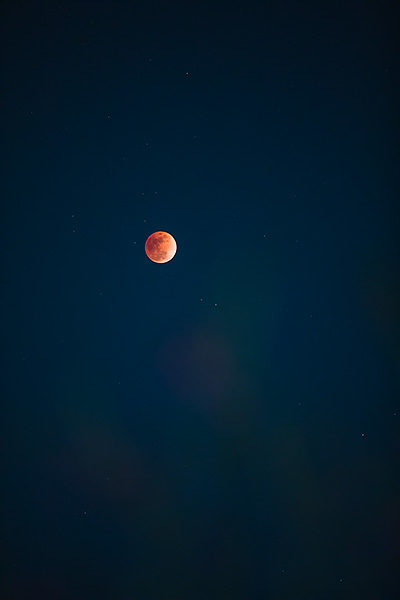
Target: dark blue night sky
point(225, 425)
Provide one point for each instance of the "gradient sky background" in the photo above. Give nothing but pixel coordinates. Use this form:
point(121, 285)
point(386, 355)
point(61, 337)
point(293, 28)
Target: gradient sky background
point(224, 426)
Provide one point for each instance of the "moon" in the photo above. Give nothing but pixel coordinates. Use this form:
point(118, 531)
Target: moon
point(160, 247)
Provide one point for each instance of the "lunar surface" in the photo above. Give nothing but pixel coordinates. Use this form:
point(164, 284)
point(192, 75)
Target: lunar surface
point(160, 247)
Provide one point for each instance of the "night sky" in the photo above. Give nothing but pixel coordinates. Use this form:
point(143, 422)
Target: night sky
point(225, 425)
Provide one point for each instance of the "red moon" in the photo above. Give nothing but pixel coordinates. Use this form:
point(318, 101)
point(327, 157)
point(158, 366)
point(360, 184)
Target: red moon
point(160, 247)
